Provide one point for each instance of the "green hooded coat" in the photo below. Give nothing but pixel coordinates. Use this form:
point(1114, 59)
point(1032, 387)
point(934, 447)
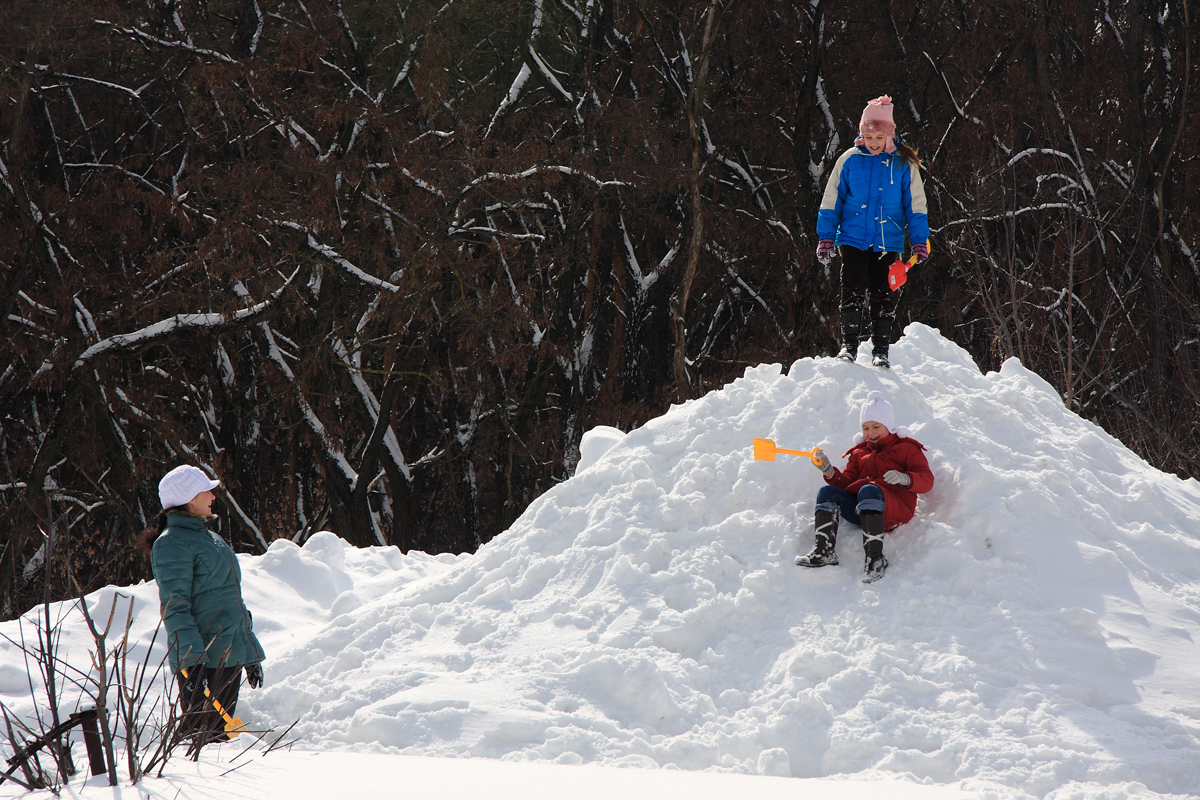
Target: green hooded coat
point(200, 594)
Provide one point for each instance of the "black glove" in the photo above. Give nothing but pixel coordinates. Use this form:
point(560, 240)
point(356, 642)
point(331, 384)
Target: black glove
point(254, 675)
point(196, 680)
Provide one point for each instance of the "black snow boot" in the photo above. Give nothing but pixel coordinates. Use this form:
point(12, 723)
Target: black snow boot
point(874, 562)
point(881, 332)
point(851, 332)
point(822, 554)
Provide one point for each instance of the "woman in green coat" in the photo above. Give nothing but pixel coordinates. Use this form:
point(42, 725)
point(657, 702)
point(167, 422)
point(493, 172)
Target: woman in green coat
point(210, 639)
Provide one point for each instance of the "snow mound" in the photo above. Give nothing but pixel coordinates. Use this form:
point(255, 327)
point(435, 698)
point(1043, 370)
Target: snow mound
point(595, 443)
point(1036, 631)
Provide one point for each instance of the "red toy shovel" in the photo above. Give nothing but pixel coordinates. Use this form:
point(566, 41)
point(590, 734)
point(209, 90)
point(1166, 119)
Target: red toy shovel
point(898, 272)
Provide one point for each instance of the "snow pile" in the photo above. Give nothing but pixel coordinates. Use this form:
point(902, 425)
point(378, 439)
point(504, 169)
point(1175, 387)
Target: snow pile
point(1035, 634)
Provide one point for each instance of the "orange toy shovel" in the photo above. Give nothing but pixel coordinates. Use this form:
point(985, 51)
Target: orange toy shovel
point(898, 272)
point(765, 450)
point(234, 727)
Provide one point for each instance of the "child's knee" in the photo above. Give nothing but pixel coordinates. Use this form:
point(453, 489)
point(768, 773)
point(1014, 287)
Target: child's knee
point(870, 500)
point(827, 494)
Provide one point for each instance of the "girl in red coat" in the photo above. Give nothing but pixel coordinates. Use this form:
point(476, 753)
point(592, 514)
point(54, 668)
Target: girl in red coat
point(877, 490)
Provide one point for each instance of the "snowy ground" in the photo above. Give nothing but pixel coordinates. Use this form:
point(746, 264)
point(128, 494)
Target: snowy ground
point(1035, 636)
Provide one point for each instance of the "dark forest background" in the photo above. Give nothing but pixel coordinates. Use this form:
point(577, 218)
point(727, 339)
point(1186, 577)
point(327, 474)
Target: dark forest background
point(379, 263)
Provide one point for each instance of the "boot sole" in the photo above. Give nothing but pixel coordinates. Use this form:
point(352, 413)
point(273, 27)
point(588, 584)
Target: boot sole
point(801, 562)
point(871, 577)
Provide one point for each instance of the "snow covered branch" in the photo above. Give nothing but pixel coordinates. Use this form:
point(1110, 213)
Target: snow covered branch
point(336, 258)
point(163, 329)
point(167, 43)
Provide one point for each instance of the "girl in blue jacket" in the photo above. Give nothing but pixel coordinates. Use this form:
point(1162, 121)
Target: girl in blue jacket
point(210, 639)
point(873, 198)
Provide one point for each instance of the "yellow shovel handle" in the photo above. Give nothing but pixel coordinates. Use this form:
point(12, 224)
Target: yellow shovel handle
point(233, 726)
point(808, 453)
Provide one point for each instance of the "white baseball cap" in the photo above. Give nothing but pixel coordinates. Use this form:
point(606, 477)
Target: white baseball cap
point(179, 486)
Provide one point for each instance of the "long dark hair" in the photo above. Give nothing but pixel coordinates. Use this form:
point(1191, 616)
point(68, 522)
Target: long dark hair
point(146, 540)
point(907, 153)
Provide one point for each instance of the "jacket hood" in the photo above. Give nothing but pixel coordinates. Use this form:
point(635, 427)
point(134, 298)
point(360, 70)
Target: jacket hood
point(901, 433)
point(186, 521)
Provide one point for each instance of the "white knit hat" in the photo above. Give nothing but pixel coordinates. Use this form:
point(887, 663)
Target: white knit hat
point(876, 409)
point(181, 485)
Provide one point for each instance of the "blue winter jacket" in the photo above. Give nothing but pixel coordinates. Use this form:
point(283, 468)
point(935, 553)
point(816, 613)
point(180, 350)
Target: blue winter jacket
point(870, 201)
point(200, 594)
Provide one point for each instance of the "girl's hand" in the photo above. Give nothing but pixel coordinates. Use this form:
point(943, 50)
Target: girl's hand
point(825, 251)
point(921, 251)
point(897, 478)
point(254, 675)
point(821, 462)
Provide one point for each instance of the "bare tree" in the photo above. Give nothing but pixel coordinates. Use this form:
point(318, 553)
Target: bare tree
point(379, 265)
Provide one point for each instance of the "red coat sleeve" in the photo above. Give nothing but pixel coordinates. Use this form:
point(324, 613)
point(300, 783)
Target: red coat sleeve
point(917, 467)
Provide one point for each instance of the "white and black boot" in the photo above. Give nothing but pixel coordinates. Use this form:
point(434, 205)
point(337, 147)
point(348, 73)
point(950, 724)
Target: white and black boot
point(823, 553)
point(874, 562)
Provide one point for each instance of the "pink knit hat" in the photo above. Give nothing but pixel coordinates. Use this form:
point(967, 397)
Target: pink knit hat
point(877, 118)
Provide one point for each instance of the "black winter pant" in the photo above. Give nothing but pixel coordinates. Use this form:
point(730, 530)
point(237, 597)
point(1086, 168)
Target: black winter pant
point(198, 717)
point(866, 304)
point(865, 283)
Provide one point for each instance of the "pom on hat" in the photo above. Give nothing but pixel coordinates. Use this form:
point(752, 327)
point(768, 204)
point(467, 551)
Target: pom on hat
point(876, 409)
point(181, 485)
point(877, 118)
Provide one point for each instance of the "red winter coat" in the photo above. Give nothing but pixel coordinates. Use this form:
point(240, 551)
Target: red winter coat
point(868, 463)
